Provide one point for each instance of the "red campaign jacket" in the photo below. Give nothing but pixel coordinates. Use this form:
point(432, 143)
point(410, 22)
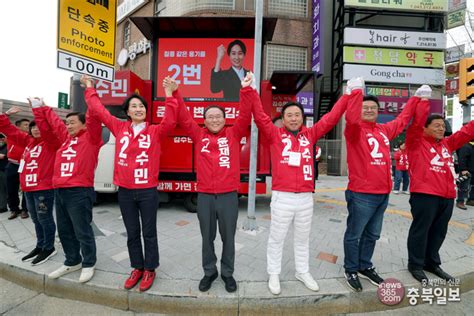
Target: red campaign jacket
point(77, 157)
point(218, 155)
point(431, 163)
point(15, 151)
point(137, 159)
point(401, 160)
point(36, 167)
point(368, 149)
point(298, 179)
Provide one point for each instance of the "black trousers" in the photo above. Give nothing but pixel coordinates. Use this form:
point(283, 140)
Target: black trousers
point(13, 185)
point(431, 215)
point(221, 209)
point(136, 205)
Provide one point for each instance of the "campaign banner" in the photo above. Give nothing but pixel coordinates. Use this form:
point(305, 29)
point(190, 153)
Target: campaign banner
point(124, 84)
point(409, 5)
point(192, 63)
point(395, 105)
point(394, 38)
point(393, 57)
point(387, 74)
point(196, 109)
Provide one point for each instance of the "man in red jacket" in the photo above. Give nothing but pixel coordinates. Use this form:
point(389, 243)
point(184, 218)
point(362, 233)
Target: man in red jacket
point(73, 180)
point(433, 189)
point(292, 157)
point(401, 170)
point(218, 179)
point(370, 181)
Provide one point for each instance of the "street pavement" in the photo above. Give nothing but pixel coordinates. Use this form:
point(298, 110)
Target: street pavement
point(180, 260)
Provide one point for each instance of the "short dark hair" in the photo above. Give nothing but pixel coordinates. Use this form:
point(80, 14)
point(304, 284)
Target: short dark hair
point(31, 125)
point(236, 42)
point(371, 98)
point(213, 107)
point(80, 116)
point(287, 105)
point(18, 123)
point(432, 117)
point(126, 103)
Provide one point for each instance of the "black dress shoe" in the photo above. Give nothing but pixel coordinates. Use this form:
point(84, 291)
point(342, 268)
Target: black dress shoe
point(206, 282)
point(440, 273)
point(230, 284)
point(419, 275)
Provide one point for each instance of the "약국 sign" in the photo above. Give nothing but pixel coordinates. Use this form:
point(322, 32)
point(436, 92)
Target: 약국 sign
point(412, 5)
point(394, 74)
point(393, 38)
point(392, 56)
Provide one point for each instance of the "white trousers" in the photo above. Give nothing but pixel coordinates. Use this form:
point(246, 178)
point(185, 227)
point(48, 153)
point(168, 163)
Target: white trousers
point(287, 207)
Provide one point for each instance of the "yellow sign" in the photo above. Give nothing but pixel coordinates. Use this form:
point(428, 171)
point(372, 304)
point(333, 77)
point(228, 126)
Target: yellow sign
point(412, 5)
point(393, 57)
point(87, 28)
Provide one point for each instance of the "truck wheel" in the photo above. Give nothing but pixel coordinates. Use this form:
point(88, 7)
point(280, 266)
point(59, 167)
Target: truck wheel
point(190, 202)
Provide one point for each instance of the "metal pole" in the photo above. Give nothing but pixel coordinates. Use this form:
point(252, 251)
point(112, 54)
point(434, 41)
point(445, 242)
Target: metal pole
point(251, 222)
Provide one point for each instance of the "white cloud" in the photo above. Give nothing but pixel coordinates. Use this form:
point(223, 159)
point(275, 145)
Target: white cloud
point(28, 31)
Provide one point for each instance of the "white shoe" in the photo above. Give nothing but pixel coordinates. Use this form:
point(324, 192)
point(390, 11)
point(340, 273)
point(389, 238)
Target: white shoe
point(396, 191)
point(86, 274)
point(274, 284)
point(62, 270)
point(308, 281)
point(406, 192)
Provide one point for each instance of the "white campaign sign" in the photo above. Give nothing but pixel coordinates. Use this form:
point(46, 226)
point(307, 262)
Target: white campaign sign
point(85, 66)
point(392, 38)
point(395, 74)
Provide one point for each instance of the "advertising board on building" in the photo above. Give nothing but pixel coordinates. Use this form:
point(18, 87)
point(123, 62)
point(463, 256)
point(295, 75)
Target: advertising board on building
point(452, 70)
point(316, 51)
point(454, 54)
point(452, 86)
point(393, 56)
point(127, 7)
point(86, 37)
point(409, 5)
point(405, 75)
point(394, 38)
point(191, 62)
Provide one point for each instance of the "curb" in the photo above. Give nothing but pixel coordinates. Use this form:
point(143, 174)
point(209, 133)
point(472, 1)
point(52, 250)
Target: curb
point(181, 297)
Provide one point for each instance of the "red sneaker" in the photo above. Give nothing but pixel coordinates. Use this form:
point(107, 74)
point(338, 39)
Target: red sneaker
point(147, 281)
point(133, 279)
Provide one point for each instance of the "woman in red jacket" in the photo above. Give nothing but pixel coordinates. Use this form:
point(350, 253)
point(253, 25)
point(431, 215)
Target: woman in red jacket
point(36, 180)
point(433, 189)
point(136, 168)
point(218, 151)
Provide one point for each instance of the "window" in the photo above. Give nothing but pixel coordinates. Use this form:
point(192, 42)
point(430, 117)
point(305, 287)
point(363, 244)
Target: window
point(281, 57)
point(126, 34)
point(297, 8)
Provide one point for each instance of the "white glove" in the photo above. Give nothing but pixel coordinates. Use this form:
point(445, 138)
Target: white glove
point(424, 91)
point(35, 102)
point(355, 84)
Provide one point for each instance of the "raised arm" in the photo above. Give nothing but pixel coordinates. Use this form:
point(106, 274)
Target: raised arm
point(329, 120)
point(97, 109)
point(263, 121)
point(248, 94)
point(49, 123)
point(353, 113)
point(395, 127)
point(415, 130)
point(184, 117)
point(171, 110)
point(12, 132)
point(464, 135)
point(216, 74)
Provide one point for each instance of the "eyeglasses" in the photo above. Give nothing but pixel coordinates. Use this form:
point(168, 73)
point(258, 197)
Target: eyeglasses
point(212, 118)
